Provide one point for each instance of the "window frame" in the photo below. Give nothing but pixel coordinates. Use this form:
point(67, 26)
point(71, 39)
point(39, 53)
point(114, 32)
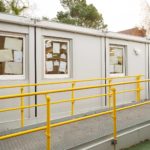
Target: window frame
point(124, 58)
point(59, 76)
point(16, 77)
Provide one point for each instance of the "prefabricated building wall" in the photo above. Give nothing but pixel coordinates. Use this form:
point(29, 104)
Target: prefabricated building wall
point(87, 55)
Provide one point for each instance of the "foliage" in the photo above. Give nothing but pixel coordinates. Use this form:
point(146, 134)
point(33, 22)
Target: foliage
point(45, 18)
point(2, 6)
point(145, 16)
point(78, 12)
point(15, 7)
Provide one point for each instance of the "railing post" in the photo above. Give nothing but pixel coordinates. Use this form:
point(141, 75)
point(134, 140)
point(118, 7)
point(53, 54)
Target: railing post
point(138, 88)
point(48, 123)
point(22, 109)
point(72, 98)
point(114, 142)
point(109, 91)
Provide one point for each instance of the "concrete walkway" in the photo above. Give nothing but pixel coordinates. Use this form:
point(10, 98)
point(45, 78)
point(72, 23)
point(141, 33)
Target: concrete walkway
point(75, 134)
point(33, 141)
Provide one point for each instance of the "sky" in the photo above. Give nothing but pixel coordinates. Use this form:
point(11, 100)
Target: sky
point(118, 14)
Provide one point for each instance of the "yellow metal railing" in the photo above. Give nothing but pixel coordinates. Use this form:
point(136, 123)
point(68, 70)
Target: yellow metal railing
point(22, 109)
point(64, 82)
point(114, 115)
point(73, 99)
point(48, 121)
point(111, 94)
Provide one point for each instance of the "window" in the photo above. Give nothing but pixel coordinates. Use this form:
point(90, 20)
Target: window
point(56, 58)
point(116, 60)
point(11, 57)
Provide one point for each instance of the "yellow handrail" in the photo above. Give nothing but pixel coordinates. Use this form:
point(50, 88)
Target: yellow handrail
point(22, 108)
point(109, 90)
point(69, 89)
point(68, 100)
point(111, 95)
point(138, 96)
point(73, 98)
point(114, 116)
point(48, 134)
point(64, 82)
point(72, 121)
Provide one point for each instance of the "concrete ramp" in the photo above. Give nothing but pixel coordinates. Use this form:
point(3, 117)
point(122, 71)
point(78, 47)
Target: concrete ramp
point(133, 126)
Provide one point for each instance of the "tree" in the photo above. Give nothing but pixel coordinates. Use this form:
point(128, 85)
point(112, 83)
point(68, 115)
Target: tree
point(145, 16)
point(3, 6)
point(15, 7)
point(78, 12)
point(45, 18)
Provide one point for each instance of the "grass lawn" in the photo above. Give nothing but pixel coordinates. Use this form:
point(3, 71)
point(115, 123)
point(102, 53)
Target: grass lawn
point(141, 146)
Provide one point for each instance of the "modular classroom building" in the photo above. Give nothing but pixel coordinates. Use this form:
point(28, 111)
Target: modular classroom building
point(33, 51)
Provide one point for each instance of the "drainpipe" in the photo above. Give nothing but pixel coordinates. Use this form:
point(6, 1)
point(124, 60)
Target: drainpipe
point(35, 34)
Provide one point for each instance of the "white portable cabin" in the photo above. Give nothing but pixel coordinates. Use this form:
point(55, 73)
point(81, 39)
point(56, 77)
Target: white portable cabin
point(18, 29)
point(80, 53)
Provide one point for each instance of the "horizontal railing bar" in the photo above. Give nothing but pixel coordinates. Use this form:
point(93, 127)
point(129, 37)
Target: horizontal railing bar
point(125, 91)
point(57, 102)
point(68, 89)
point(24, 107)
point(124, 77)
point(135, 105)
point(71, 121)
point(65, 101)
point(81, 98)
point(63, 82)
point(22, 133)
point(49, 83)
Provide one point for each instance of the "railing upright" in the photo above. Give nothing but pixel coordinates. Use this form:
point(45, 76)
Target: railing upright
point(48, 123)
point(109, 91)
point(22, 105)
point(73, 98)
point(114, 117)
point(138, 87)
